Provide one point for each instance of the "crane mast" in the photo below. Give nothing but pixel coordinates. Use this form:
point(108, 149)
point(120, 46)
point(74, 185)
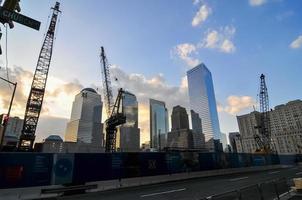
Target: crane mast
point(115, 115)
point(264, 138)
point(37, 91)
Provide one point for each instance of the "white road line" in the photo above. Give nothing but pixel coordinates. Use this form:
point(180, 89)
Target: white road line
point(238, 179)
point(274, 172)
point(165, 192)
point(298, 173)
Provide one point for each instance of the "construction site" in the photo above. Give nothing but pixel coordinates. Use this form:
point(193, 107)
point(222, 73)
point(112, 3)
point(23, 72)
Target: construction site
point(254, 164)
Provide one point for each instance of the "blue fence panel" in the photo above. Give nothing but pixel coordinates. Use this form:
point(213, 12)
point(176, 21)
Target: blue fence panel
point(234, 160)
point(93, 167)
point(25, 169)
point(206, 161)
point(153, 164)
point(131, 165)
point(259, 160)
point(175, 163)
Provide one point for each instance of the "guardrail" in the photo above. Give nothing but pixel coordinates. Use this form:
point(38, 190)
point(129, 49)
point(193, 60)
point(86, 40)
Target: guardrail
point(274, 189)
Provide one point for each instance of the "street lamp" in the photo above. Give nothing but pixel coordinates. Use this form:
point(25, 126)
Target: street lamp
point(8, 112)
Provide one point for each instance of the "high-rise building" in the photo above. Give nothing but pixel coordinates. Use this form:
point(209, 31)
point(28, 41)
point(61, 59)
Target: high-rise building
point(223, 140)
point(159, 124)
point(13, 130)
point(128, 135)
point(202, 100)
point(180, 135)
point(285, 124)
point(198, 136)
point(232, 139)
point(85, 122)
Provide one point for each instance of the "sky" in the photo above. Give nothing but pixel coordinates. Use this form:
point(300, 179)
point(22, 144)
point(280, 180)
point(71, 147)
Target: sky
point(150, 46)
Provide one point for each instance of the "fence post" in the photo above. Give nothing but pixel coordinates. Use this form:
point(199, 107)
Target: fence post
point(276, 189)
point(239, 194)
point(260, 191)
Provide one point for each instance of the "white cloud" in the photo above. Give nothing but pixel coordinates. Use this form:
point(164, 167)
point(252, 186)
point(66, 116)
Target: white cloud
point(297, 43)
point(202, 14)
point(220, 39)
point(236, 104)
point(257, 2)
point(185, 52)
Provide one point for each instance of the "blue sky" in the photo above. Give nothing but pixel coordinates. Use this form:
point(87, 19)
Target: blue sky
point(142, 38)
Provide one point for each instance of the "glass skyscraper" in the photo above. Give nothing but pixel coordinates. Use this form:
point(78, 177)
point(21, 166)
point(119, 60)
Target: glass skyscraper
point(202, 100)
point(159, 124)
point(128, 135)
point(85, 121)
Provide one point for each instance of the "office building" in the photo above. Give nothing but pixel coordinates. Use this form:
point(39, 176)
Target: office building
point(232, 140)
point(180, 136)
point(128, 134)
point(159, 124)
point(202, 100)
point(223, 140)
point(85, 122)
point(13, 130)
point(198, 136)
point(286, 129)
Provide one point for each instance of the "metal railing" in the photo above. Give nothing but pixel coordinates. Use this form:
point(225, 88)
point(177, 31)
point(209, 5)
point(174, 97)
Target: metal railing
point(270, 190)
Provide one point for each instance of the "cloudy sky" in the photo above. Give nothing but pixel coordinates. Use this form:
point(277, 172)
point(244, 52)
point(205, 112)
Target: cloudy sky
point(151, 45)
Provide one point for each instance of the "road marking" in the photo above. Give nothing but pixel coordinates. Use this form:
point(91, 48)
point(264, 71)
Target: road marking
point(238, 179)
point(274, 172)
point(298, 173)
point(165, 192)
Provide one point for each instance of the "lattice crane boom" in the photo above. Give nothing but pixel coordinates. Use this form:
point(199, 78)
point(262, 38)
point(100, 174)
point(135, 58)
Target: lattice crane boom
point(115, 115)
point(37, 91)
point(106, 83)
point(264, 138)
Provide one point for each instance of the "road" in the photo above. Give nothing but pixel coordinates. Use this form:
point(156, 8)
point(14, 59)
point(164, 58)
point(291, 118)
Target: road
point(190, 189)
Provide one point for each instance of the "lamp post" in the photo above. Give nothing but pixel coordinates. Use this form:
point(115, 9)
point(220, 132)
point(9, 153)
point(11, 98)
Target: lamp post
point(8, 112)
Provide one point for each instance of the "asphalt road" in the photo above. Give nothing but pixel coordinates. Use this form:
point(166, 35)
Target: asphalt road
point(193, 188)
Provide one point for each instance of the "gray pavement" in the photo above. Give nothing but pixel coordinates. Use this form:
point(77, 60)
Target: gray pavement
point(191, 189)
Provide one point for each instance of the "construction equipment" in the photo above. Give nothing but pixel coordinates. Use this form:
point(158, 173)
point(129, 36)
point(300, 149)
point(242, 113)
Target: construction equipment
point(263, 139)
point(36, 95)
point(115, 114)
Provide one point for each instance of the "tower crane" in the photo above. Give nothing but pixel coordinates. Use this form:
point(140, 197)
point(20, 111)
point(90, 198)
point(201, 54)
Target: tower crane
point(37, 91)
point(115, 113)
point(263, 139)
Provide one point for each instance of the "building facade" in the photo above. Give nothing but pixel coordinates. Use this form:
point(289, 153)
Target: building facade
point(159, 124)
point(286, 129)
point(86, 116)
point(232, 139)
point(202, 100)
point(128, 134)
point(198, 136)
point(180, 136)
point(13, 130)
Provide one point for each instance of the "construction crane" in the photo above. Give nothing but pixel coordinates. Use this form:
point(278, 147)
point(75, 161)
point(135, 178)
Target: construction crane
point(263, 139)
point(37, 91)
point(115, 113)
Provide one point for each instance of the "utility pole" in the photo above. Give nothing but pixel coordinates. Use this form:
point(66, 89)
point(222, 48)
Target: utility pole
point(5, 121)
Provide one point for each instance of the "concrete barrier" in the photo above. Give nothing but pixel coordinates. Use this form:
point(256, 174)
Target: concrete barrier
point(35, 192)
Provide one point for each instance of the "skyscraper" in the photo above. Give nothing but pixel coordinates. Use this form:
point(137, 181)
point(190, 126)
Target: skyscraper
point(159, 124)
point(128, 135)
point(198, 136)
point(202, 100)
point(85, 122)
point(180, 135)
